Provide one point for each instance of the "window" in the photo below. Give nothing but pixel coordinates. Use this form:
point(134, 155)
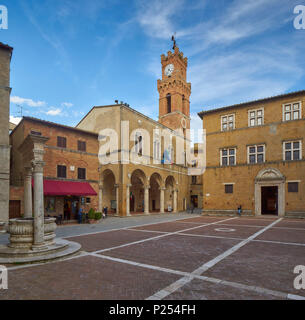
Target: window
point(81, 173)
point(61, 142)
point(88, 200)
point(81, 146)
point(228, 122)
point(139, 143)
point(256, 154)
point(61, 171)
point(228, 188)
point(169, 103)
point(293, 187)
point(256, 117)
point(292, 150)
point(228, 157)
point(194, 179)
point(292, 111)
point(36, 133)
point(157, 149)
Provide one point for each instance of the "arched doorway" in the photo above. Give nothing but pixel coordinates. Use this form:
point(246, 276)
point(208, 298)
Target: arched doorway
point(270, 192)
point(155, 192)
point(170, 195)
point(137, 191)
point(108, 191)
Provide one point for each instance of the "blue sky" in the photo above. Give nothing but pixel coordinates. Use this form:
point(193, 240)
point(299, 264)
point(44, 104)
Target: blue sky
point(72, 55)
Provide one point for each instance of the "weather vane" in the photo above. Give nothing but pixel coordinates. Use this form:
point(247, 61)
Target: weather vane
point(174, 41)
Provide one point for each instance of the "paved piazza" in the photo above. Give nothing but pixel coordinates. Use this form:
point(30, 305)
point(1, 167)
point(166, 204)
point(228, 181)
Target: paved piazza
point(168, 257)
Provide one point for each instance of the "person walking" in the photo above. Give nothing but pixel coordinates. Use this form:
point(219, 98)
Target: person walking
point(80, 215)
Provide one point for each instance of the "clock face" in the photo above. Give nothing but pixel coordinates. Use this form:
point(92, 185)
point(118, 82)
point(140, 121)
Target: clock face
point(169, 69)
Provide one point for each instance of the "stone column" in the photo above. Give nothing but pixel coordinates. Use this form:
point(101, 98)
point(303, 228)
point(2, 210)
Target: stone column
point(175, 200)
point(100, 198)
point(38, 205)
point(117, 198)
point(146, 200)
point(162, 200)
point(28, 210)
point(128, 200)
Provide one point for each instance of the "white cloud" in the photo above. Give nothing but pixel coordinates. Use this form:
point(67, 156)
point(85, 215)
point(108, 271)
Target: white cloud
point(54, 112)
point(15, 120)
point(155, 16)
point(67, 104)
point(196, 125)
point(28, 102)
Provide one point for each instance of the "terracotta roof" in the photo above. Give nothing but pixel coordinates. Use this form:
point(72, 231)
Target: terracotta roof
point(5, 46)
point(249, 103)
point(53, 124)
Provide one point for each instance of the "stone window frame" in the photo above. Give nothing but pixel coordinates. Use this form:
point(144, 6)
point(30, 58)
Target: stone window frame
point(227, 122)
point(256, 117)
point(256, 153)
point(291, 111)
point(227, 156)
point(139, 143)
point(292, 149)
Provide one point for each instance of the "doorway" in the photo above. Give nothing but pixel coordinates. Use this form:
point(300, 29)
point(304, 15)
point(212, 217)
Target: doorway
point(269, 200)
point(194, 201)
point(132, 202)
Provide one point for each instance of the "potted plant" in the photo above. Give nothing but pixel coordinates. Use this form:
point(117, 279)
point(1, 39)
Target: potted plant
point(91, 216)
point(98, 216)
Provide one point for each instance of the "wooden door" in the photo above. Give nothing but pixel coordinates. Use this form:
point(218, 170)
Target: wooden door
point(15, 209)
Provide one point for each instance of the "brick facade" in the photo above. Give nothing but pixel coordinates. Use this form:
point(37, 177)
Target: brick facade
point(249, 179)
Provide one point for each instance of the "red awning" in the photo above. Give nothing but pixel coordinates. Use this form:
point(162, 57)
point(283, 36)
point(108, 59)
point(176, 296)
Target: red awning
point(67, 188)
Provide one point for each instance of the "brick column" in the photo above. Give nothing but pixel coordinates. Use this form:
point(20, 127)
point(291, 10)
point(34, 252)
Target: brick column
point(175, 200)
point(117, 198)
point(100, 198)
point(146, 199)
point(162, 200)
point(128, 200)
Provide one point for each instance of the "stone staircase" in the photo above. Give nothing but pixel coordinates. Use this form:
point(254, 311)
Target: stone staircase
point(295, 215)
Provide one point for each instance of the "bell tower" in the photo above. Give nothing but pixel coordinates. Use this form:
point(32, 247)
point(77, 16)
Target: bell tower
point(174, 91)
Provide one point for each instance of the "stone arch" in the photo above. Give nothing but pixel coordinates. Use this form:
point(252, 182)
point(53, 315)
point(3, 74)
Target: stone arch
point(138, 182)
point(156, 183)
point(270, 178)
point(170, 194)
point(108, 185)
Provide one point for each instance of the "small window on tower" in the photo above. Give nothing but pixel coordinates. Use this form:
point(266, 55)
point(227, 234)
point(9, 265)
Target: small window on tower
point(169, 103)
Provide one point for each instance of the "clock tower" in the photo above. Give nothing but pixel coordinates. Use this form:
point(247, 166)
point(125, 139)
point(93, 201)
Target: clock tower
point(174, 91)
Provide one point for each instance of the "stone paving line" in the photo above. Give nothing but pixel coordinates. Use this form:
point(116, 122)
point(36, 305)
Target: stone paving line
point(180, 233)
point(160, 236)
point(206, 266)
point(120, 246)
point(245, 225)
point(188, 277)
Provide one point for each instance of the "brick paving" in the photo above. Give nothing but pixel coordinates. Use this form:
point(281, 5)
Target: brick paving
point(143, 259)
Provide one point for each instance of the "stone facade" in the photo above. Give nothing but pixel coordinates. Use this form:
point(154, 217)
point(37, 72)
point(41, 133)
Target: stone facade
point(5, 90)
point(176, 86)
point(261, 185)
point(54, 156)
